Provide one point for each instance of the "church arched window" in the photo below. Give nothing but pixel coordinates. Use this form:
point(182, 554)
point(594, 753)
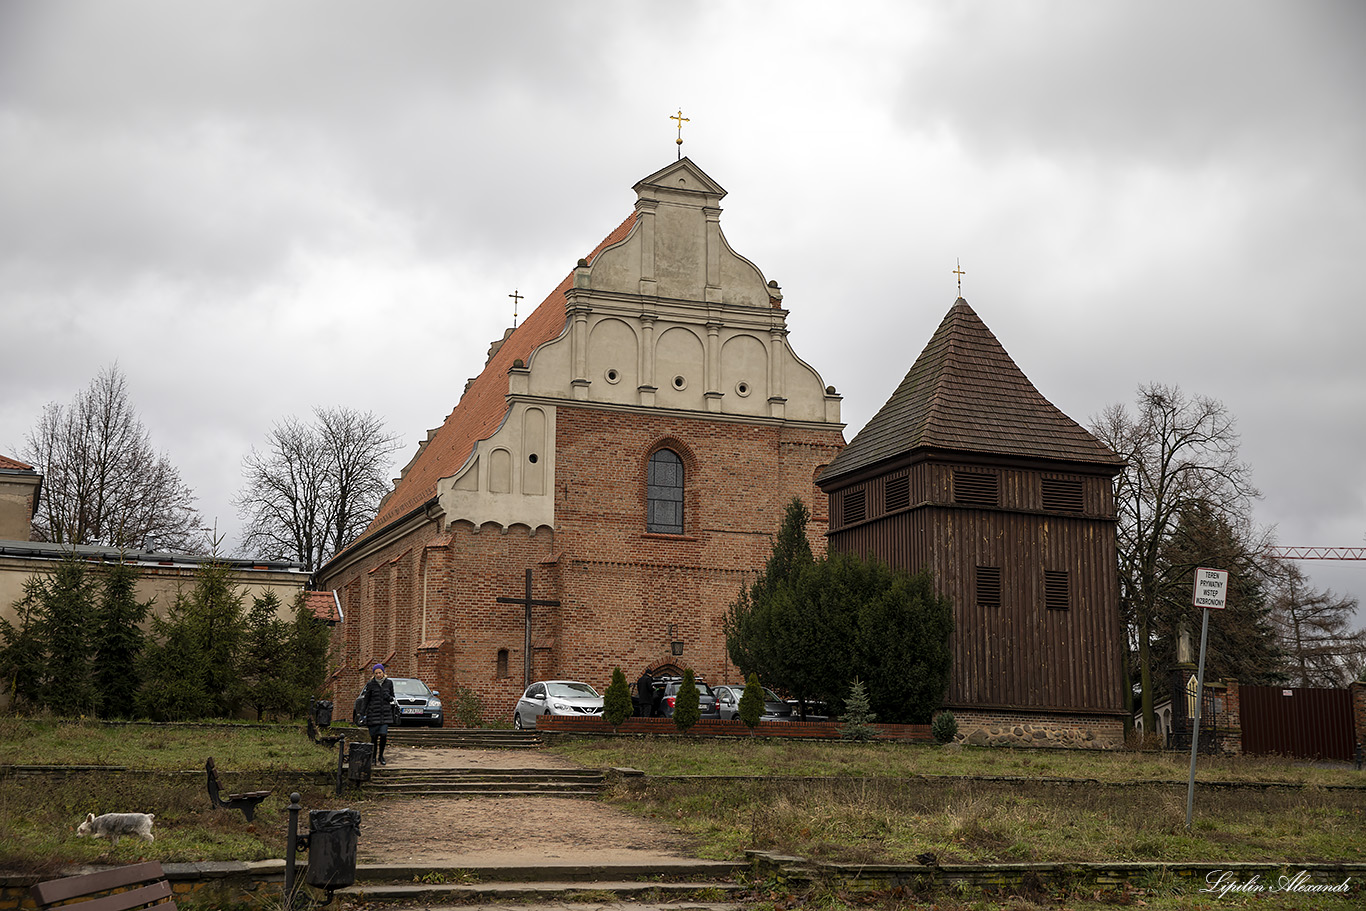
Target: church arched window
point(664, 493)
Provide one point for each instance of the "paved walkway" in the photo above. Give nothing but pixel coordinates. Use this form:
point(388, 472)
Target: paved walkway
point(467, 832)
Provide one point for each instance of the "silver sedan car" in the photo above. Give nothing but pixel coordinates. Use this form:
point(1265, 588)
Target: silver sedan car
point(728, 700)
point(555, 697)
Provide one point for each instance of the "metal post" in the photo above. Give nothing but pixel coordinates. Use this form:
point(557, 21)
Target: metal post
point(1195, 731)
point(291, 840)
point(341, 762)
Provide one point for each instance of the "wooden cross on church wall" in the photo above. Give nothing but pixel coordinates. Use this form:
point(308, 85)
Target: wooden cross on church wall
point(528, 602)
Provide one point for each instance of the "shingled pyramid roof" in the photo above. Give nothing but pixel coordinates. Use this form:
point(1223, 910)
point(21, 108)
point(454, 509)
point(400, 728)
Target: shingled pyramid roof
point(965, 394)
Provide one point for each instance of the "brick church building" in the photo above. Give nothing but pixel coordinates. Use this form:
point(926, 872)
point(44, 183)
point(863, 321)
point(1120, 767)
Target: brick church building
point(631, 446)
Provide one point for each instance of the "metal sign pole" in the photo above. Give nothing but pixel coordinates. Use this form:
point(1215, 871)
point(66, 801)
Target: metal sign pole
point(1195, 732)
point(1210, 591)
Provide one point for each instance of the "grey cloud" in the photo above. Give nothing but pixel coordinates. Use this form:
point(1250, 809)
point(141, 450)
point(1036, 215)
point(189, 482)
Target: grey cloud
point(1181, 82)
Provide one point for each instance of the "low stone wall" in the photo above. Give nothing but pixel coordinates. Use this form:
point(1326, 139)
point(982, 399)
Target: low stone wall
point(1074, 732)
point(1311, 879)
point(713, 727)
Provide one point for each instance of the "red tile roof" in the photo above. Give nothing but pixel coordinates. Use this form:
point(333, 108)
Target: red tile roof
point(13, 464)
point(965, 393)
point(323, 605)
point(481, 409)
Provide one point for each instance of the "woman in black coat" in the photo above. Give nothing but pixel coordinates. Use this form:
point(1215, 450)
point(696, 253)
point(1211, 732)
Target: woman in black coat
point(378, 701)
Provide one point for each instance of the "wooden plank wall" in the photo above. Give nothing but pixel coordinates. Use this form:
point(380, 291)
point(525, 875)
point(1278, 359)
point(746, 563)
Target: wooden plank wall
point(1019, 654)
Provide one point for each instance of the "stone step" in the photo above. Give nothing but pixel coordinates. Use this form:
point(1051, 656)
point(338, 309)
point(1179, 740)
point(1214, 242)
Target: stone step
point(399, 775)
point(486, 782)
point(682, 882)
point(474, 792)
point(526, 787)
point(697, 895)
point(466, 738)
point(658, 869)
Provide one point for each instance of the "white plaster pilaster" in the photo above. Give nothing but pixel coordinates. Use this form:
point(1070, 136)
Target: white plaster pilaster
point(714, 244)
point(645, 209)
point(648, 386)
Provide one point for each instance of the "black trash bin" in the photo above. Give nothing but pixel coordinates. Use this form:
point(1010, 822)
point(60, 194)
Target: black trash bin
point(322, 713)
point(360, 757)
point(332, 836)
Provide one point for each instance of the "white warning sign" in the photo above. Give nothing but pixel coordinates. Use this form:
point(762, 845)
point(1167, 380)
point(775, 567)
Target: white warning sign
point(1211, 588)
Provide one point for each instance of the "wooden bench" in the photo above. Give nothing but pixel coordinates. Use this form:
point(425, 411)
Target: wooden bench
point(246, 801)
point(143, 885)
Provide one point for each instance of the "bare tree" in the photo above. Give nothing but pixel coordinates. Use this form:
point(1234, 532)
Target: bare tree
point(1314, 627)
point(316, 486)
point(103, 483)
point(1181, 451)
point(357, 449)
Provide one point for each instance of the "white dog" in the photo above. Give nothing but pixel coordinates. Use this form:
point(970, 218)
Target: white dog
point(113, 825)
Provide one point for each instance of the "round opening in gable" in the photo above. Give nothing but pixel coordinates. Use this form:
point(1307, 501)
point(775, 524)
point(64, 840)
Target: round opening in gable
point(613, 375)
point(680, 382)
point(742, 388)
point(532, 458)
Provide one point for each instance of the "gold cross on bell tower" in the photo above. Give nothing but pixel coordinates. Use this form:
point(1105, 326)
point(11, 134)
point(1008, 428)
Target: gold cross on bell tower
point(960, 273)
point(516, 299)
point(681, 120)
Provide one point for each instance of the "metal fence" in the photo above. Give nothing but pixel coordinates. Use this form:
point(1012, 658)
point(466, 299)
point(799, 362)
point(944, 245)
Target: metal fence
point(1305, 723)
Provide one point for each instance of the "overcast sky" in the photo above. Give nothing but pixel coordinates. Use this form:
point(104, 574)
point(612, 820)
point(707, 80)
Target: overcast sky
point(256, 208)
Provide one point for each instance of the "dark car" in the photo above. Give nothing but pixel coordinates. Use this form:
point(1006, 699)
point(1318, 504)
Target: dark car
point(706, 699)
point(417, 704)
point(728, 700)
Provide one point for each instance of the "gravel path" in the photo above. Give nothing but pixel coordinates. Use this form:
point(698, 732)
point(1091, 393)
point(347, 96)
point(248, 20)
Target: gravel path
point(480, 831)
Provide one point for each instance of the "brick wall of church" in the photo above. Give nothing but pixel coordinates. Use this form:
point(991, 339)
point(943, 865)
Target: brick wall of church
point(630, 594)
point(625, 595)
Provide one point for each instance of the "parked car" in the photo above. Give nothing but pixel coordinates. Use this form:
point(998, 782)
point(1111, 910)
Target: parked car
point(555, 697)
point(706, 699)
point(728, 701)
point(417, 704)
point(815, 710)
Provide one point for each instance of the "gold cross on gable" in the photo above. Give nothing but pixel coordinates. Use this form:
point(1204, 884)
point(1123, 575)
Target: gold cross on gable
point(681, 120)
point(516, 298)
point(960, 273)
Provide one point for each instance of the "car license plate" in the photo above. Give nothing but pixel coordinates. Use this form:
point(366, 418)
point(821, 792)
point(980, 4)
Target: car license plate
point(415, 710)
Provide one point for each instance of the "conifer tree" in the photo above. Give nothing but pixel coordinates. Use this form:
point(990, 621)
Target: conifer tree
point(616, 702)
point(23, 654)
point(807, 625)
point(752, 702)
point(767, 632)
point(307, 654)
point(858, 720)
point(944, 727)
point(687, 710)
point(901, 652)
point(119, 641)
point(218, 605)
point(67, 611)
point(173, 678)
point(192, 670)
point(265, 667)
